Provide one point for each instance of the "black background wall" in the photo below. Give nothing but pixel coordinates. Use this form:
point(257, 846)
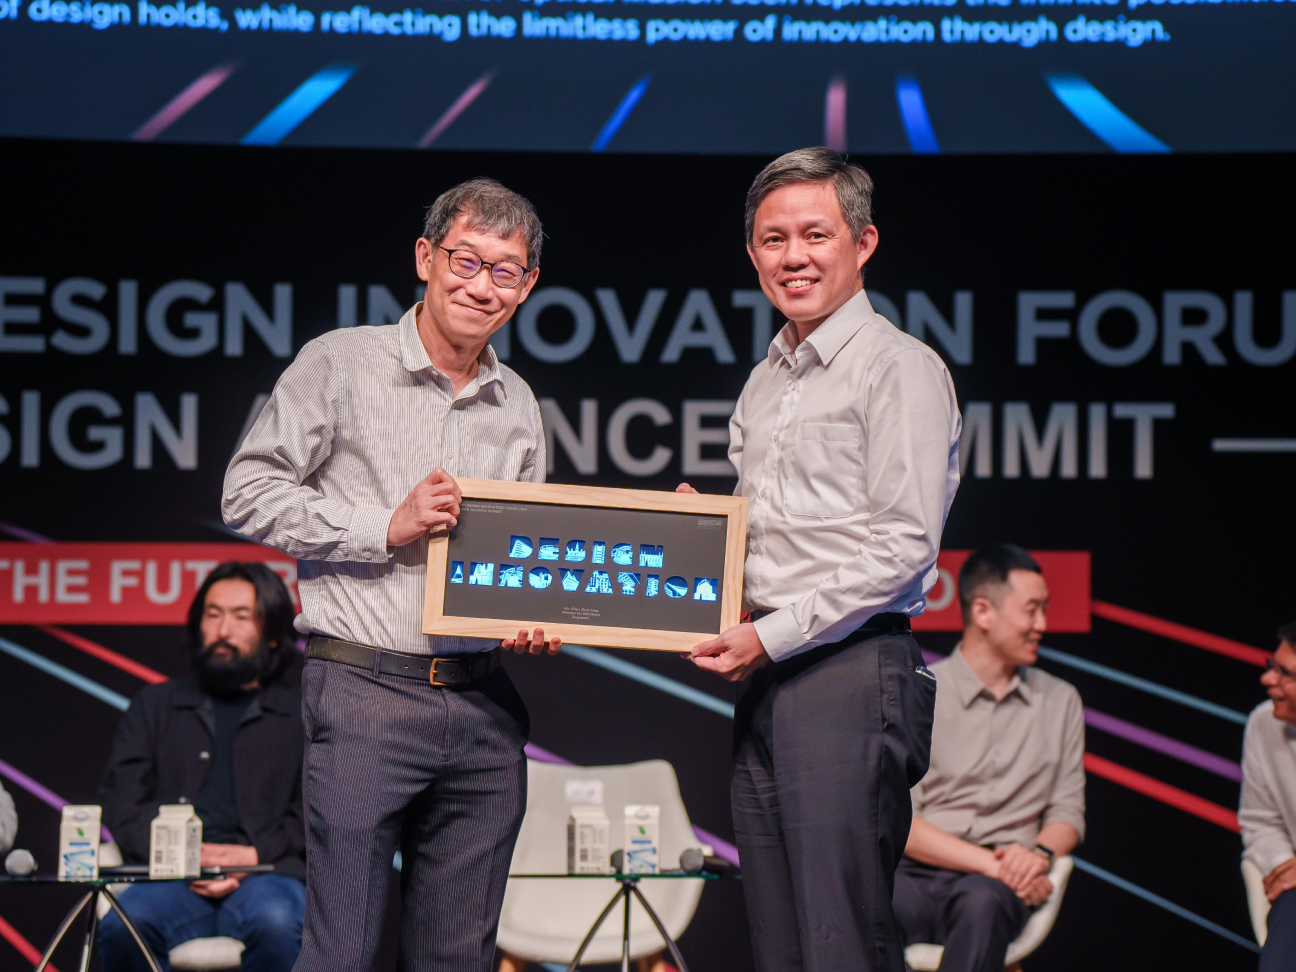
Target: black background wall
point(1177, 530)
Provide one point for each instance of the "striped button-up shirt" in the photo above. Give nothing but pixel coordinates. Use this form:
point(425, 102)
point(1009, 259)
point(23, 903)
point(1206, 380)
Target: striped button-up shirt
point(355, 422)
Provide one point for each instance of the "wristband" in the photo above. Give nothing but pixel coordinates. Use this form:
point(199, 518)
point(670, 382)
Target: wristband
point(1041, 849)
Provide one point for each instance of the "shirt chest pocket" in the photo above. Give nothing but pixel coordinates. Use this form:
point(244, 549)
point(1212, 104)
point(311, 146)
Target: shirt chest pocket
point(823, 471)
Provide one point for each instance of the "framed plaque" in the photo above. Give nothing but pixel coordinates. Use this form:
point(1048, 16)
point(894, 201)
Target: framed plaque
point(628, 568)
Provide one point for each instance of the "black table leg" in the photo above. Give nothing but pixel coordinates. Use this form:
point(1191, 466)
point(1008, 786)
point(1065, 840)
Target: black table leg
point(148, 954)
point(87, 943)
point(679, 959)
point(62, 930)
point(580, 952)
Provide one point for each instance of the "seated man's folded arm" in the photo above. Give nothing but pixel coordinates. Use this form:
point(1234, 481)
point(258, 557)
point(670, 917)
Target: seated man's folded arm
point(1063, 822)
point(1265, 840)
point(928, 844)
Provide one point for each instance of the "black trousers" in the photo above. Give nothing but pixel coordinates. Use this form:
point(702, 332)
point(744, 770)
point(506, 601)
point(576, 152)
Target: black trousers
point(1279, 952)
point(827, 745)
point(439, 773)
point(975, 917)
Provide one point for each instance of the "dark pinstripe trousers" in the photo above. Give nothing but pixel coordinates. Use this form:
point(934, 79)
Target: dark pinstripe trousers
point(440, 773)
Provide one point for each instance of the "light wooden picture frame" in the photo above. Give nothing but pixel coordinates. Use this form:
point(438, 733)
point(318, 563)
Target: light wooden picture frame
point(732, 508)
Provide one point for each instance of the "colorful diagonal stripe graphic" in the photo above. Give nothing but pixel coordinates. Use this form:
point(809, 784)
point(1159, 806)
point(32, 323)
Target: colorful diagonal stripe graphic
point(1092, 108)
point(300, 105)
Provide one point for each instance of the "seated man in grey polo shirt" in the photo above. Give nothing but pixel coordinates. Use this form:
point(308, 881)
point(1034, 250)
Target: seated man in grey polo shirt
point(1005, 791)
point(1268, 809)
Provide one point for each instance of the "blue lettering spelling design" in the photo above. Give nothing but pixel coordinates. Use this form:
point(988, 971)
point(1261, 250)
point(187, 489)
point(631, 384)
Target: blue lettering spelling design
point(625, 582)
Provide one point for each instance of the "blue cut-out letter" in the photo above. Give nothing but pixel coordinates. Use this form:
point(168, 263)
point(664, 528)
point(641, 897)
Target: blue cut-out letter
point(540, 578)
point(510, 575)
point(571, 578)
point(623, 554)
point(704, 588)
point(628, 581)
point(520, 547)
point(482, 574)
point(456, 572)
point(651, 556)
point(676, 587)
point(548, 548)
point(650, 589)
point(575, 551)
point(599, 583)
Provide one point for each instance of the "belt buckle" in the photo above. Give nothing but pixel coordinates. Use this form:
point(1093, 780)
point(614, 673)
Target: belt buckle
point(433, 675)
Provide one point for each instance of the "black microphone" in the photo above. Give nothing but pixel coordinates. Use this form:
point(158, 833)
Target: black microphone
point(20, 863)
point(618, 858)
point(693, 861)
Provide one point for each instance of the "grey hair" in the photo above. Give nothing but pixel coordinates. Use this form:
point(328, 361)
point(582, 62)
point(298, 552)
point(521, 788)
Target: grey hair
point(491, 208)
point(854, 186)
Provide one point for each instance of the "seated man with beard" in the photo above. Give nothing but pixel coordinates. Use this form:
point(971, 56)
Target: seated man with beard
point(227, 739)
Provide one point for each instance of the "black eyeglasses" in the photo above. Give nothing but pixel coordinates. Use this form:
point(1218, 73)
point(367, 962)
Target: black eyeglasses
point(1273, 666)
point(466, 263)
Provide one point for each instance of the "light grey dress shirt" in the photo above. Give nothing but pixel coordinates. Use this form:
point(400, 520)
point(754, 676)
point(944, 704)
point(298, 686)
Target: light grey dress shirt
point(1268, 809)
point(847, 451)
point(1002, 771)
point(8, 821)
point(355, 422)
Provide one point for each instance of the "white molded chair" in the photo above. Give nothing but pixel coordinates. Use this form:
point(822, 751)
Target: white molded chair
point(1257, 902)
point(197, 955)
point(927, 958)
point(545, 921)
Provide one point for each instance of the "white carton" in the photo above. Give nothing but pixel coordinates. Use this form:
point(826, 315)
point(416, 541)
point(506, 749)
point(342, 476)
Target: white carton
point(642, 839)
point(589, 841)
point(78, 858)
point(175, 843)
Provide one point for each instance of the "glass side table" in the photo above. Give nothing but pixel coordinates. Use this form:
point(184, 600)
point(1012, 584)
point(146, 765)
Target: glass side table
point(123, 874)
point(629, 888)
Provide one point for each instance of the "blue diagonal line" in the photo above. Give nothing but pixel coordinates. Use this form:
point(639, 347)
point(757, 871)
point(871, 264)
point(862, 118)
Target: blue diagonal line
point(913, 113)
point(1143, 685)
point(299, 105)
point(652, 679)
point(1161, 902)
point(1101, 117)
point(621, 114)
point(100, 692)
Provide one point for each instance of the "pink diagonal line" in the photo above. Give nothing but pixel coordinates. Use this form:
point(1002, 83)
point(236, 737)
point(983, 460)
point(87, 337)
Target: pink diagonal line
point(835, 115)
point(182, 102)
point(44, 794)
point(23, 534)
point(457, 109)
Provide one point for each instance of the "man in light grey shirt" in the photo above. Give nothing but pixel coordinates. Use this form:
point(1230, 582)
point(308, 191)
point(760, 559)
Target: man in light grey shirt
point(348, 467)
point(846, 444)
point(8, 821)
point(1004, 794)
point(1268, 808)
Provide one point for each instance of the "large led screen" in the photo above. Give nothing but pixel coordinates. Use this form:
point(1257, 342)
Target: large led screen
point(711, 76)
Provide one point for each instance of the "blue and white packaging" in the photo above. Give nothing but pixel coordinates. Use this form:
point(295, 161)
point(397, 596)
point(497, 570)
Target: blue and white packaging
point(642, 852)
point(78, 858)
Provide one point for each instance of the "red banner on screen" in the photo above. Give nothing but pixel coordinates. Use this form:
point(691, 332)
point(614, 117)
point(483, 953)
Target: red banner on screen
point(116, 583)
point(1067, 573)
point(153, 583)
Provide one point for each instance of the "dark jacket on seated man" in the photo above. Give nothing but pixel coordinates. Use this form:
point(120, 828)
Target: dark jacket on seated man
point(228, 739)
point(168, 747)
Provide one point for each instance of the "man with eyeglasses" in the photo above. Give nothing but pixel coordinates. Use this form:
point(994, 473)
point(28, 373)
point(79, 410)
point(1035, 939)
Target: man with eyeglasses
point(1268, 809)
point(413, 742)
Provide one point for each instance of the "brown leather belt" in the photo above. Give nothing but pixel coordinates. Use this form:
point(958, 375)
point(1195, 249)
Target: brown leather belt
point(443, 671)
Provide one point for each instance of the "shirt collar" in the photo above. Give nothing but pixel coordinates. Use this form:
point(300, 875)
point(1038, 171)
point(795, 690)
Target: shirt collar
point(414, 355)
point(830, 336)
point(968, 686)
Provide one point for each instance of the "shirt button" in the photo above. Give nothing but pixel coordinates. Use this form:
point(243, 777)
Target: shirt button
point(775, 436)
point(762, 492)
point(792, 384)
point(204, 755)
point(368, 555)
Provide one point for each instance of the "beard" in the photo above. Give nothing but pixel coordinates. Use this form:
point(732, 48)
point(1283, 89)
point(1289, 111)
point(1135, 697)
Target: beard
point(223, 675)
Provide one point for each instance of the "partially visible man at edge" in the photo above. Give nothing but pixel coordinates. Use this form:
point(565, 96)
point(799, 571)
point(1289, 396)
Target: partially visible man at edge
point(227, 739)
point(846, 444)
point(414, 742)
point(1267, 813)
